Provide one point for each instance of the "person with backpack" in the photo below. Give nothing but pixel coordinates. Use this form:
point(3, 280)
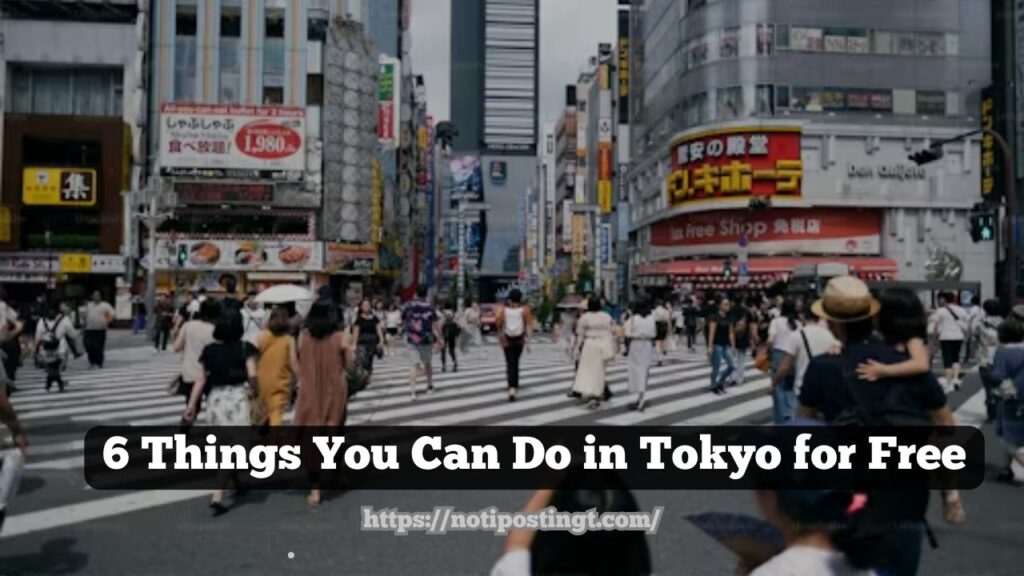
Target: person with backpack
point(811, 340)
point(779, 331)
point(948, 325)
point(986, 337)
point(515, 330)
point(450, 331)
point(833, 392)
point(52, 334)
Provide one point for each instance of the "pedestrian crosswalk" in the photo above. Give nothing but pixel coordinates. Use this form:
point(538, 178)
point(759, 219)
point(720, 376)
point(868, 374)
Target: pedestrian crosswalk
point(132, 390)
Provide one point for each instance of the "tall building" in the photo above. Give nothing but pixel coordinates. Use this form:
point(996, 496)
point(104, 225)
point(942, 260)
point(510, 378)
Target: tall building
point(72, 123)
point(494, 106)
point(815, 105)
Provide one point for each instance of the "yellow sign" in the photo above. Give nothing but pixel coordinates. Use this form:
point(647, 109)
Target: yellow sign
point(74, 263)
point(58, 186)
point(579, 242)
point(989, 170)
point(5, 224)
point(604, 196)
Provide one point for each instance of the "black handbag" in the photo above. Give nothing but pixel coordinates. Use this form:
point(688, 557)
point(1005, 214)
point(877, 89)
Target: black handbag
point(358, 380)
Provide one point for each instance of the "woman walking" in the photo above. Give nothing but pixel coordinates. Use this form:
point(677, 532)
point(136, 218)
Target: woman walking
point(368, 335)
point(193, 337)
point(228, 379)
point(325, 358)
point(779, 332)
point(52, 334)
point(642, 330)
point(515, 329)
point(721, 344)
point(593, 344)
point(470, 327)
point(1007, 379)
point(278, 366)
point(392, 323)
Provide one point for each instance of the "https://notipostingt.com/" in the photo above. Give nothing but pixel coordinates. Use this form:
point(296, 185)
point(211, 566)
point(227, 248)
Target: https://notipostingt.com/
point(444, 519)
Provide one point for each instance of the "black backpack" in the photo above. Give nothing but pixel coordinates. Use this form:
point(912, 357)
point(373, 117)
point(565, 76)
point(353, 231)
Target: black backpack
point(889, 412)
point(451, 328)
point(50, 340)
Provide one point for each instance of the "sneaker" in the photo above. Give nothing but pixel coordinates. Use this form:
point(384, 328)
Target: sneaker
point(430, 389)
point(412, 395)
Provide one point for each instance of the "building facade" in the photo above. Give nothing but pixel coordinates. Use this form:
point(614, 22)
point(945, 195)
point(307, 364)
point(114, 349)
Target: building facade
point(816, 107)
point(494, 107)
point(73, 126)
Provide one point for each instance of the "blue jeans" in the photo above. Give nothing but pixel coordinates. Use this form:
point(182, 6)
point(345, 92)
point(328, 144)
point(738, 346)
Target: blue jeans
point(719, 353)
point(741, 365)
point(902, 551)
point(783, 401)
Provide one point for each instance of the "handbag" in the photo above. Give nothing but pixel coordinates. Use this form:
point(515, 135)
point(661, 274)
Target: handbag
point(763, 360)
point(174, 386)
point(257, 410)
point(608, 349)
point(358, 380)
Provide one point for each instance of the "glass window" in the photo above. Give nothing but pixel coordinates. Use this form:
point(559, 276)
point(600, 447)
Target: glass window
point(764, 100)
point(315, 90)
point(857, 42)
point(881, 100)
point(782, 97)
point(952, 104)
point(881, 42)
point(51, 91)
point(858, 100)
point(185, 54)
point(21, 91)
point(765, 39)
point(729, 44)
point(930, 44)
point(230, 55)
point(931, 102)
point(698, 52)
point(91, 92)
point(903, 43)
point(952, 44)
point(781, 36)
point(273, 95)
point(806, 99)
point(806, 39)
point(903, 102)
point(833, 99)
point(316, 30)
point(729, 103)
point(273, 51)
point(835, 40)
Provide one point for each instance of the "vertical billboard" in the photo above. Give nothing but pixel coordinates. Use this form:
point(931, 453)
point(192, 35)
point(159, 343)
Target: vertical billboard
point(467, 180)
point(624, 71)
point(567, 226)
point(991, 161)
point(389, 93)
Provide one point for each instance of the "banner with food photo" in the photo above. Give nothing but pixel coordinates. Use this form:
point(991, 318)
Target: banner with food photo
point(240, 255)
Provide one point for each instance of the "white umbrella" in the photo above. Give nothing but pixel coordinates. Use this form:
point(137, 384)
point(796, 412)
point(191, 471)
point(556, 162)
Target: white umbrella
point(284, 293)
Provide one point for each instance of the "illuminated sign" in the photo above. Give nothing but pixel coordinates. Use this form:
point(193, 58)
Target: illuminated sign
point(736, 163)
point(217, 193)
point(990, 192)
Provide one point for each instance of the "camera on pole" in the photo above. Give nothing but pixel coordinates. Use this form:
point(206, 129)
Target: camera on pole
point(927, 156)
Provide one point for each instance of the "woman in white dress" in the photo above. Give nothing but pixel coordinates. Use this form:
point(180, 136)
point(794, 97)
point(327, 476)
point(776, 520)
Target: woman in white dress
point(642, 331)
point(593, 341)
point(470, 327)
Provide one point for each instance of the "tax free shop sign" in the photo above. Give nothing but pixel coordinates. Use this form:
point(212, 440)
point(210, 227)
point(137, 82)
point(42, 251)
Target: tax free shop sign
point(434, 460)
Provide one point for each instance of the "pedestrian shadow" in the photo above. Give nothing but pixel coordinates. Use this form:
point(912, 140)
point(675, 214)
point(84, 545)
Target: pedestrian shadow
point(30, 484)
point(56, 557)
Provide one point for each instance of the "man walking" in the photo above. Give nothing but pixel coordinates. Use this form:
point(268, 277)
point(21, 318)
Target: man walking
point(422, 334)
point(832, 392)
point(254, 317)
point(948, 325)
point(98, 316)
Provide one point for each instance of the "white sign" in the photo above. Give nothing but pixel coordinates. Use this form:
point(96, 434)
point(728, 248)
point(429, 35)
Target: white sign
point(604, 130)
point(108, 264)
point(239, 255)
point(207, 136)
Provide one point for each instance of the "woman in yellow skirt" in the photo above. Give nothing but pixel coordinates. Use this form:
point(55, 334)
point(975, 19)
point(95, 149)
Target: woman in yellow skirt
point(278, 366)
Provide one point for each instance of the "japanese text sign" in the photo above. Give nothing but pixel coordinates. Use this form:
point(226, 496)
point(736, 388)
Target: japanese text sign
point(990, 167)
point(206, 136)
point(58, 187)
point(736, 163)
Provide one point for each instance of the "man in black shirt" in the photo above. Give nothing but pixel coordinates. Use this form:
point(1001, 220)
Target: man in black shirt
point(744, 326)
point(722, 346)
point(828, 394)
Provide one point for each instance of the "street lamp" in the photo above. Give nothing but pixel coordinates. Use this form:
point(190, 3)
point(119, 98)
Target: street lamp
point(935, 152)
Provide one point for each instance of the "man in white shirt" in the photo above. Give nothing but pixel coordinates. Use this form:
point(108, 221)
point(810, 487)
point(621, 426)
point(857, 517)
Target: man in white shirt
point(98, 316)
point(948, 324)
point(813, 339)
point(253, 319)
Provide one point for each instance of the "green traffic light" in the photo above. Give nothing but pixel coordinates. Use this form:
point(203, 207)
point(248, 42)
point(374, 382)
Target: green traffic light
point(986, 233)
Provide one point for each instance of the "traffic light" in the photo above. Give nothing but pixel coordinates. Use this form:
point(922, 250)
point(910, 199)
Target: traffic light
point(926, 156)
point(727, 268)
point(182, 254)
point(983, 226)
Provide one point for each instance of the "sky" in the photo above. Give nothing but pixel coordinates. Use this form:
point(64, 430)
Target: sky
point(570, 31)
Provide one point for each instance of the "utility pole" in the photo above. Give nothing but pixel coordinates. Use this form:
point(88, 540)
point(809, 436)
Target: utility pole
point(152, 220)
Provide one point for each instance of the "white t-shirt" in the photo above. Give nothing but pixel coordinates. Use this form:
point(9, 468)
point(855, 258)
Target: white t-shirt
point(62, 330)
point(393, 319)
point(820, 340)
point(808, 561)
point(779, 332)
point(513, 563)
point(194, 336)
point(515, 324)
point(642, 328)
point(949, 322)
point(661, 314)
point(96, 315)
point(253, 322)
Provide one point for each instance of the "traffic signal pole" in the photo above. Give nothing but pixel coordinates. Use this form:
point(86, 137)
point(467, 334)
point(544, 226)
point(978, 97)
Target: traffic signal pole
point(934, 152)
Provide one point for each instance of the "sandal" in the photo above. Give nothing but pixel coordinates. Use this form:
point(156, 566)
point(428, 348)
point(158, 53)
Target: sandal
point(314, 498)
point(953, 510)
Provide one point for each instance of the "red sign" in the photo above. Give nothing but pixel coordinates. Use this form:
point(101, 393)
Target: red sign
point(781, 230)
point(736, 163)
point(216, 193)
point(386, 121)
point(267, 140)
point(604, 162)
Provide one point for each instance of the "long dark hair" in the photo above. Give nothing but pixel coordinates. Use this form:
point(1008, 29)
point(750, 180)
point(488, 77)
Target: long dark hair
point(596, 553)
point(851, 520)
point(789, 312)
point(322, 321)
point(902, 316)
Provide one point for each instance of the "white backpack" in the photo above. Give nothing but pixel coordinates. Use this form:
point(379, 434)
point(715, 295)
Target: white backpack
point(515, 326)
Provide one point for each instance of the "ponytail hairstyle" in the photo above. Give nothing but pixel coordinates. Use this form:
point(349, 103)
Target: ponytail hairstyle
point(845, 515)
point(789, 312)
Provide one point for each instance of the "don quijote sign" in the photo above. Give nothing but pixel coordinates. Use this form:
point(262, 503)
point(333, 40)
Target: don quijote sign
point(887, 172)
point(217, 137)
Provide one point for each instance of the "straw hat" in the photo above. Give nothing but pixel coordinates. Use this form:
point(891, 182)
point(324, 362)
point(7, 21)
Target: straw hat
point(846, 299)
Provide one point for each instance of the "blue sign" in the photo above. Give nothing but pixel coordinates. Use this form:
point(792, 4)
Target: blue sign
point(744, 270)
point(606, 244)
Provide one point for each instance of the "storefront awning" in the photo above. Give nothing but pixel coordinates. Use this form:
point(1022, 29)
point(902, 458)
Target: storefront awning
point(880, 266)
